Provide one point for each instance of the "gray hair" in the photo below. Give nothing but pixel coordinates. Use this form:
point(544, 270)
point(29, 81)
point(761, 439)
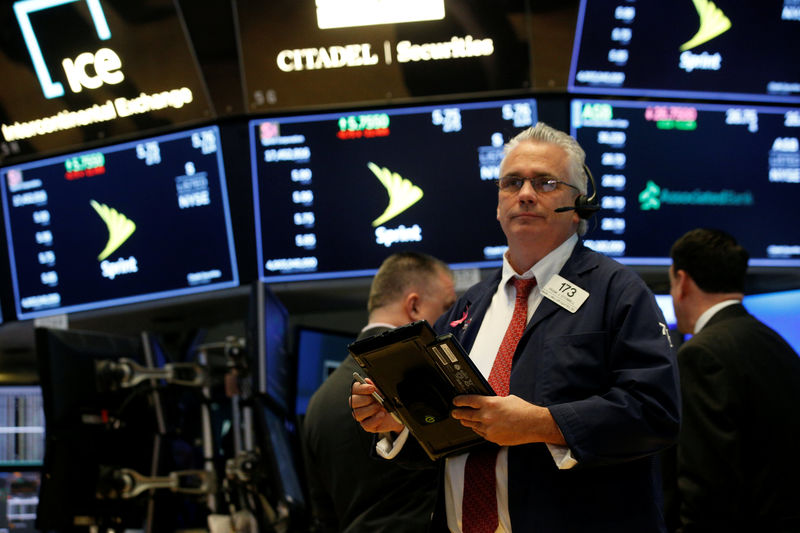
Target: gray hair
point(576, 157)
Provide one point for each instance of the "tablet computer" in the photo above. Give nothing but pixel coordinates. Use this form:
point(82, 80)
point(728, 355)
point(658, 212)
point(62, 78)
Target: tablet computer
point(418, 374)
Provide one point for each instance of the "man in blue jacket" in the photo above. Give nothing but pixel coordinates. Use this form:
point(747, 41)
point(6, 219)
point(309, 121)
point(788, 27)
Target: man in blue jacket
point(585, 374)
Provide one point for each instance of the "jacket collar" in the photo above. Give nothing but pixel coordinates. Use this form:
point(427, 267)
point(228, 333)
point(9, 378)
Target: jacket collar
point(581, 261)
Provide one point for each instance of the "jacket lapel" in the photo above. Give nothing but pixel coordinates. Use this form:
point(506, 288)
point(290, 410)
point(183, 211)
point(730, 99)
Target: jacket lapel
point(578, 264)
point(475, 311)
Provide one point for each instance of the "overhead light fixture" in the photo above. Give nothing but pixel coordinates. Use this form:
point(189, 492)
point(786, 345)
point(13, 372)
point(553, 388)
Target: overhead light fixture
point(353, 13)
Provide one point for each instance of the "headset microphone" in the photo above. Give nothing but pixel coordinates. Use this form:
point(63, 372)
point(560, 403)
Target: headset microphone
point(585, 206)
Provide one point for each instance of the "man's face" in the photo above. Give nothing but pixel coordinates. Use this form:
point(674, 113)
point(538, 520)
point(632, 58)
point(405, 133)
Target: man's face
point(439, 297)
point(526, 216)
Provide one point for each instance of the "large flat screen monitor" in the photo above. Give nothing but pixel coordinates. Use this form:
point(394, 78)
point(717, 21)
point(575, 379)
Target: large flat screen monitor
point(665, 168)
point(319, 353)
point(336, 193)
point(344, 51)
point(21, 426)
point(21, 455)
point(78, 71)
point(93, 429)
point(723, 49)
point(279, 471)
point(119, 224)
point(268, 343)
point(19, 498)
point(779, 310)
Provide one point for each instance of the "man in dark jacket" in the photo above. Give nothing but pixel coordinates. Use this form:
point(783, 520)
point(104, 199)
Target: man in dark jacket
point(588, 390)
point(736, 465)
point(350, 491)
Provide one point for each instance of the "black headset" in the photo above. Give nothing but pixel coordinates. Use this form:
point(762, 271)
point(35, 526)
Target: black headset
point(585, 206)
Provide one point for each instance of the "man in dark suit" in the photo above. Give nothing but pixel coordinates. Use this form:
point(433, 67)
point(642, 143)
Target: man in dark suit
point(590, 393)
point(350, 491)
point(737, 465)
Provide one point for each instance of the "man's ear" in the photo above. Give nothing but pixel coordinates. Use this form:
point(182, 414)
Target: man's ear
point(682, 282)
point(411, 306)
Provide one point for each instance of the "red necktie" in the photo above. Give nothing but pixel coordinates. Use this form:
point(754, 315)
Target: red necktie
point(479, 504)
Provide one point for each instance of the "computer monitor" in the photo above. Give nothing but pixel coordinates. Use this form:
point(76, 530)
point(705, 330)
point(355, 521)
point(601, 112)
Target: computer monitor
point(319, 353)
point(341, 52)
point(279, 470)
point(779, 310)
point(721, 50)
point(126, 223)
point(21, 426)
point(664, 168)
point(336, 193)
point(92, 430)
point(267, 341)
point(21, 454)
point(78, 71)
point(19, 498)
point(664, 302)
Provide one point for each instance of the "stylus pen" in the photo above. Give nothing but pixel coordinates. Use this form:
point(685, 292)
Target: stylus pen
point(377, 396)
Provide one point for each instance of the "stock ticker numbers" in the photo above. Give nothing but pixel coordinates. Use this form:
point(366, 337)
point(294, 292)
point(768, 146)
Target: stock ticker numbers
point(367, 125)
point(295, 179)
point(669, 167)
point(336, 192)
point(89, 230)
point(720, 49)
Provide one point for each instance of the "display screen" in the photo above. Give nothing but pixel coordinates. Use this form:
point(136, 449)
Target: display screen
point(19, 498)
point(664, 168)
point(268, 327)
point(77, 71)
point(725, 49)
point(94, 428)
point(21, 426)
point(664, 302)
point(280, 485)
point(345, 51)
point(337, 193)
point(121, 224)
point(778, 310)
point(319, 353)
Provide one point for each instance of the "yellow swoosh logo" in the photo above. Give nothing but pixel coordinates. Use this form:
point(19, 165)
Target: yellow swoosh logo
point(402, 193)
point(119, 227)
point(713, 23)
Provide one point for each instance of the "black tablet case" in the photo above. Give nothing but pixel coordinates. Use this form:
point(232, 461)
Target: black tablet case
point(418, 374)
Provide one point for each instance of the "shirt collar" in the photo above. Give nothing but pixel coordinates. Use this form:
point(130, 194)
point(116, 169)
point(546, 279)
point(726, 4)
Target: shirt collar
point(377, 325)
point(546, 268)
point(710, 312)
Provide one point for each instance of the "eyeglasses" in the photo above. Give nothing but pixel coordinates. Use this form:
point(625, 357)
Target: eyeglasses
point(540, 184)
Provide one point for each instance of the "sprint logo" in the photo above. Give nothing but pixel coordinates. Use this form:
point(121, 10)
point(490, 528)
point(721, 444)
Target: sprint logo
point(713, 23)
point(402, 193)
point(650, 197)
point(119, 227)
